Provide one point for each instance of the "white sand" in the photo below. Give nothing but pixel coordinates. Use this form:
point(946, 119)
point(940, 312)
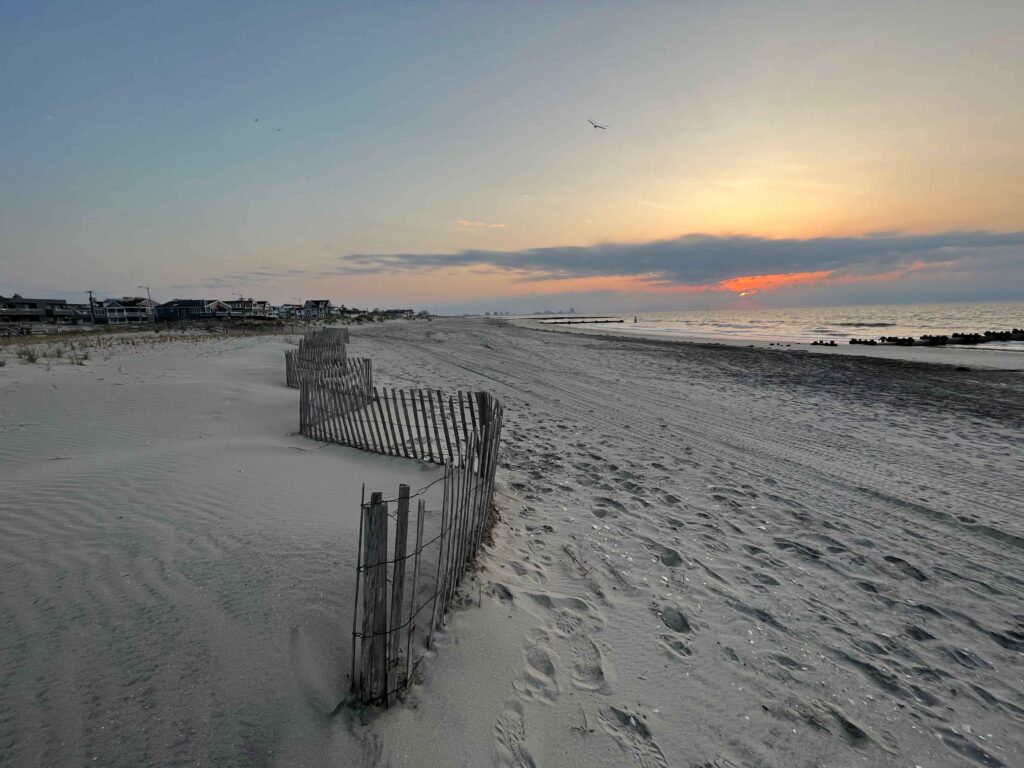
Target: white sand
point(788, 560)
point(176, 565)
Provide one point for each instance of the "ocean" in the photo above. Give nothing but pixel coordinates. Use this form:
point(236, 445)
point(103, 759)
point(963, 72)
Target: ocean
point(804, 325)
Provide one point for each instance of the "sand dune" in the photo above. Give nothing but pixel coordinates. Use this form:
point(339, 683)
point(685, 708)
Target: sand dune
point(176, 564)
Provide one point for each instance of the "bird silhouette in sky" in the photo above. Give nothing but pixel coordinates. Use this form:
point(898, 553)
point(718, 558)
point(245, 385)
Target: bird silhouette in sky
point(597, 125)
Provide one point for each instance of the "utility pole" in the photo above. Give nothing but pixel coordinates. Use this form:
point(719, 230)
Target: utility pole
point(150, 309)
point(92, 311)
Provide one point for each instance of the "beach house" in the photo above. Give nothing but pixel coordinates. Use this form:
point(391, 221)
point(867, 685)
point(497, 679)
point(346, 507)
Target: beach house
point(317, 309)
point(192, 309)
point(242, 308)
point(128, 309)
point(18, 309)
point(289, 311)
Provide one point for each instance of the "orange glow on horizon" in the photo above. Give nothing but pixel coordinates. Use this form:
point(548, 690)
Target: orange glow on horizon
point(743, 285)
point(475, 282)
point(757, 283)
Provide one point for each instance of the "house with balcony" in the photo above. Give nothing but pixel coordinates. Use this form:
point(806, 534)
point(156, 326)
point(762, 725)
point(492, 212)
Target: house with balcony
point(245, 308)
point(192, 309)
point(18, 309)
point(126, 310)
point(317, 309)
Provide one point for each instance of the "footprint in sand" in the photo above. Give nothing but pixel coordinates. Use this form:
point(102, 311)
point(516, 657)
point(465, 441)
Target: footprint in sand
point(568, 613)
point(673, 618)
point(907, 568)
point(539, 679)
point(589, 671)
point(604, 501)
point(667, 556)
point(510, 738)
point(676, 647)
point(632, 734)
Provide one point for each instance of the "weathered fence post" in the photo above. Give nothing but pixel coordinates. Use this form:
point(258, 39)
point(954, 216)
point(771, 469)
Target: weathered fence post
point(488, 432)
point(354, 673)
point(373, 680)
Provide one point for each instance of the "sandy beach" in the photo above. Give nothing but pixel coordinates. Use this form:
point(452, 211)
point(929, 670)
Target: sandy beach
point(176, 562)
point(707, 556)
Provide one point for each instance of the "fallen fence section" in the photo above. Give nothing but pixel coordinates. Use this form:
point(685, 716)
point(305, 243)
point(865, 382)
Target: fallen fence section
point(406, 580)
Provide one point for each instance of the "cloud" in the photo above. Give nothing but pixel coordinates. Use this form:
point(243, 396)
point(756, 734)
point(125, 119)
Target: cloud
point(478, 224)
point(707, 260)
point(263, 276)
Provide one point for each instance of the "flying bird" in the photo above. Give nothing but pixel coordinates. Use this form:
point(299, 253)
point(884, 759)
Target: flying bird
point(597, 125)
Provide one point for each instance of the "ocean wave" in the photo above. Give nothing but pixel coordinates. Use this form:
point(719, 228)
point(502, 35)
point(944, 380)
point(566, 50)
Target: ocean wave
point(866, 325)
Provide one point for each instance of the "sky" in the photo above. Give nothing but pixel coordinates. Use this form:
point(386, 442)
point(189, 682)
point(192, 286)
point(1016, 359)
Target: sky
point(395, 154)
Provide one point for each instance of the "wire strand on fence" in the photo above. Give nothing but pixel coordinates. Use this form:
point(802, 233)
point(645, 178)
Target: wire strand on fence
point(467, 502)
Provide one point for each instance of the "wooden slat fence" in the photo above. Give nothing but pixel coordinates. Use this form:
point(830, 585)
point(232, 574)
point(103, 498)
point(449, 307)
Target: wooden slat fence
point(327, 335)
point(312, 361)
point(328, 397)
point(410, 423)
point(338, 403)
point(321, 352)
point(406, 581)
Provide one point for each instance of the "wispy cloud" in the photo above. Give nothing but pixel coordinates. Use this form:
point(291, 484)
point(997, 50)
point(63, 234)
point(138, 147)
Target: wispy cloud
point(467, 224)
point(708, 260)
point(263, 276)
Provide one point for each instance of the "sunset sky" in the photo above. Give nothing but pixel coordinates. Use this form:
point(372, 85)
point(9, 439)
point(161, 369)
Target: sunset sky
point(776, 153)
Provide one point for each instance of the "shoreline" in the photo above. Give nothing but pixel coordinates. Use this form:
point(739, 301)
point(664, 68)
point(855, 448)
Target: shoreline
point(979, 357)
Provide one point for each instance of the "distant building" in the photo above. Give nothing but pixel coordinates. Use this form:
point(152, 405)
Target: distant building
point(128, 309)
point(317, 308)
point(78, 312)
point(289, 311)
point(249, 308)
point(18, 309)
point(192, 309)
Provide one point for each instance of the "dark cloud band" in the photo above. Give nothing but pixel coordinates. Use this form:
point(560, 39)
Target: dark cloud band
point(707, 259)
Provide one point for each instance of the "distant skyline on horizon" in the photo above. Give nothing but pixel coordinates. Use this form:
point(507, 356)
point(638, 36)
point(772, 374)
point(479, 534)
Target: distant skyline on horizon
point(777, 154)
